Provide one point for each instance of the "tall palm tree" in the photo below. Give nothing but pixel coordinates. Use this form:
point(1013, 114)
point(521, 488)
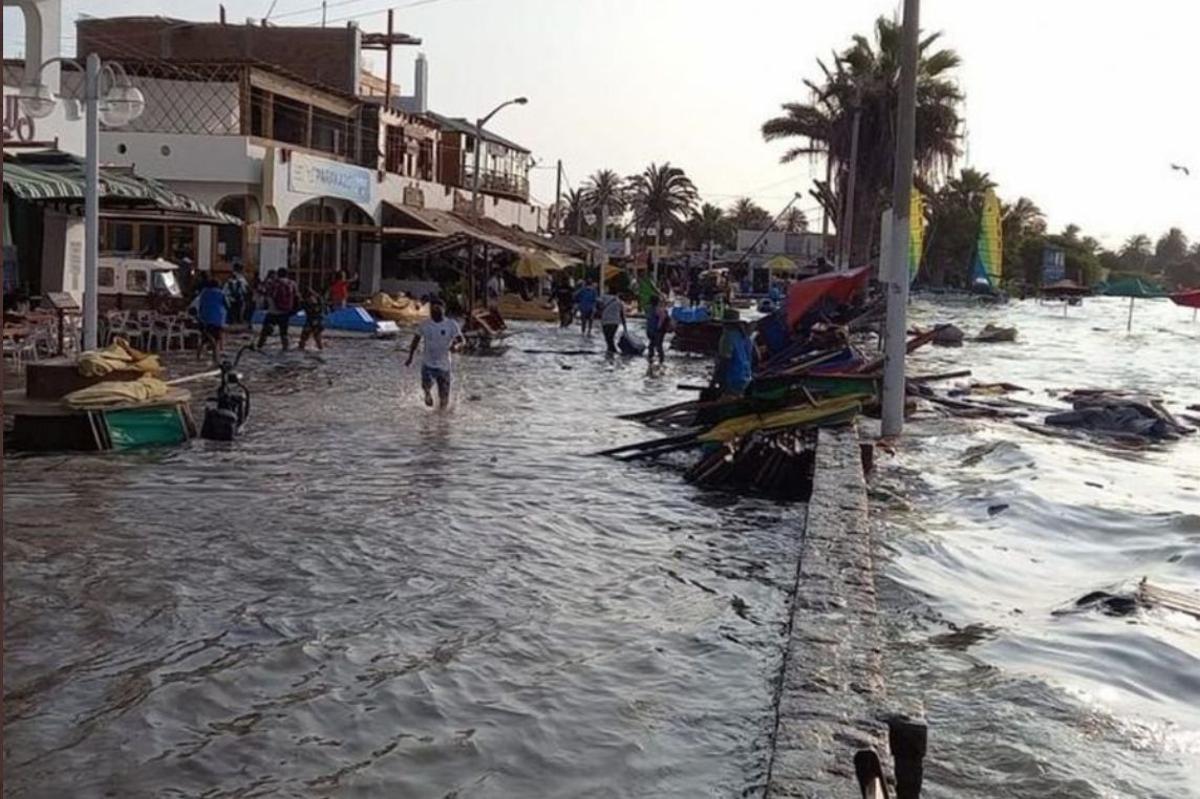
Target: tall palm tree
point(863, 81)
point(574, 208)
point(749, 215)
point(604, 194)
point(710, 226)
point(794, 221)
point(661, 196)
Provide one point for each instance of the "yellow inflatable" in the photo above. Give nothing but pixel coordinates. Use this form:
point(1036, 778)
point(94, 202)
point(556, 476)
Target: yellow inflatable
point(516, 307)
point(400, 309)
point(118, 355)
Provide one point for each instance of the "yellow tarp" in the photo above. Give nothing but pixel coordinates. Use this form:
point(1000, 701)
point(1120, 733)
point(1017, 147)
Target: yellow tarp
point(780, 264)
point(792, 417)
point(118, 355)
point(118, 392)
point(536, 264)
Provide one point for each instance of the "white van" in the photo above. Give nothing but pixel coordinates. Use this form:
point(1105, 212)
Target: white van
point(136, 283)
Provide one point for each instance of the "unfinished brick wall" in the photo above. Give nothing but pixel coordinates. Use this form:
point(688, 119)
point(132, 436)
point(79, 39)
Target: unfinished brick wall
point(328, 56)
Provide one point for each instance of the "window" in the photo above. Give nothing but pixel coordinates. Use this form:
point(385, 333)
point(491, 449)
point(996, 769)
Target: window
point(106, 277)
point(260, 112)
point(152, 241)
point(393, 156)
point(290, 123)
point(137, 281)
point(121, 237)
point(328, 132)
point(425, 160)
point(181, 243)
point(167, 283)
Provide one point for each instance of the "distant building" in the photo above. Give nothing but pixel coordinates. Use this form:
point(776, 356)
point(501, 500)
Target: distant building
point(803, 248)
point(281, 128)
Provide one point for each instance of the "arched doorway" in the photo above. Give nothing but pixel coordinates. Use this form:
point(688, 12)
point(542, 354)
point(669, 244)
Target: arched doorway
point(313, 243)
point(233, 243)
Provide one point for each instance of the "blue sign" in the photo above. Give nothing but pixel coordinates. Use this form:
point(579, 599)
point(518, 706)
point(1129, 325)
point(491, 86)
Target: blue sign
point(308, 175)
point(1054, 265)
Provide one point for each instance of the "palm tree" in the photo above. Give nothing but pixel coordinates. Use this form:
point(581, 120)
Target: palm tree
point(863, 82)
point(710, 226)
point(794, 221)
point(749, 215)
point(661, 195)
point(1171, 248)
point(604, 194)
point(954, 212)
point(574, 209)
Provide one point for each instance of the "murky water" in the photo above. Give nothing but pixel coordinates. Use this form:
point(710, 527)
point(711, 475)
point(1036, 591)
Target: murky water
point(365, 598)
point(1023, 703)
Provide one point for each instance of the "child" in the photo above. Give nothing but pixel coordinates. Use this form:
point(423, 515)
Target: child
point(314, 319)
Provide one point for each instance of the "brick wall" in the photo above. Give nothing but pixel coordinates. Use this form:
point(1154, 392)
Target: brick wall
point(328, 56)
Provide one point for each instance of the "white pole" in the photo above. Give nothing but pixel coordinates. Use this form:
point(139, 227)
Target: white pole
point(91, 205)
point(897, 275)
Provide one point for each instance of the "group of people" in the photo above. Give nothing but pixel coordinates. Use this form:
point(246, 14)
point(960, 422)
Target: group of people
point(219, 305)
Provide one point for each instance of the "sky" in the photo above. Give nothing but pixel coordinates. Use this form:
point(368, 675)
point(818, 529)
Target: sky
point(1080, 105)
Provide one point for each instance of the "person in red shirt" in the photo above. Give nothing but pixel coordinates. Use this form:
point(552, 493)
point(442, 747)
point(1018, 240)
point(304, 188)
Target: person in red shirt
point(339, 290)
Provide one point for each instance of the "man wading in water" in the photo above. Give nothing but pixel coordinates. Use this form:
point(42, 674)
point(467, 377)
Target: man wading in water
point(441, 336)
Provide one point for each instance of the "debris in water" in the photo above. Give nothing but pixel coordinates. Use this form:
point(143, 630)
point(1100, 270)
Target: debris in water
point(994, 510)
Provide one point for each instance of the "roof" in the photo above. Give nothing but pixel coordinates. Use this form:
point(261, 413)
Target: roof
point(463, 126)
point(59, 176)
point(454, 230)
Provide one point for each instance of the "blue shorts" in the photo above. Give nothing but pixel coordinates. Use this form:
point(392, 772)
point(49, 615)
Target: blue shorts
point(431, 374)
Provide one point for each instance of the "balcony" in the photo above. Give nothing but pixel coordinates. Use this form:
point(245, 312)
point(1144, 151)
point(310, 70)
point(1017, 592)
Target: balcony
point(502, 184)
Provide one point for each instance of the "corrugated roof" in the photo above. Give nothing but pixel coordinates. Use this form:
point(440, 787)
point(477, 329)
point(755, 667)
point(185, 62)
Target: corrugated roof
point(464, 126)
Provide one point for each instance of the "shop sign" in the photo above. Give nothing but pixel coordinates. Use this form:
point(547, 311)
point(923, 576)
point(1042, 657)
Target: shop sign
point(308, 175)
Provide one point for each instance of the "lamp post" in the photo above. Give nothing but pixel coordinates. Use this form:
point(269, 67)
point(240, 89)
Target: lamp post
point(120, 105)
point(479, 123)
point(590, 217)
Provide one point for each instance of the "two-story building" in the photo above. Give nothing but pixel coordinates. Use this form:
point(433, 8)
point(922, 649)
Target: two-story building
point(303, 148)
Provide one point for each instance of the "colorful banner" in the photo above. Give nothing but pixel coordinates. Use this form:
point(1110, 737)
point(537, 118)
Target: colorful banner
point(916, 235)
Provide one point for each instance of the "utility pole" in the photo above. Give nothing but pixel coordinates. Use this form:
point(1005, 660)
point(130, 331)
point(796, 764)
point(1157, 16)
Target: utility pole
point(558, 199)
point(897, 276)
point(851, 181)
point(323, 4)
point(91, 204)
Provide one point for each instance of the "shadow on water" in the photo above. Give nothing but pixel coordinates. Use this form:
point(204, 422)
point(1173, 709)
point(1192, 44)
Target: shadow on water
point(363, 597)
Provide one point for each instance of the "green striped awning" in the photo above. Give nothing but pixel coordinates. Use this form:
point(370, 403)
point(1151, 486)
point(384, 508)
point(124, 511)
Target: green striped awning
point(31, 183)
point(62, 177)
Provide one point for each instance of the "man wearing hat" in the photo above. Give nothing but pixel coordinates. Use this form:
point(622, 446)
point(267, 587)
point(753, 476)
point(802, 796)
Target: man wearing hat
point(735, 355)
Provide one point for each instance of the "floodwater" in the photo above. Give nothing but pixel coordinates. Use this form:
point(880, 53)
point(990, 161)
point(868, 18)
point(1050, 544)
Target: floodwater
point(362, 597)
point(1023, 702)
point(365, 598)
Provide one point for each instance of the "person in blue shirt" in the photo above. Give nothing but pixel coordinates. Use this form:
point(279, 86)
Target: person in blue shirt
point(735, 356)
point(585, 300)
point(212, 309)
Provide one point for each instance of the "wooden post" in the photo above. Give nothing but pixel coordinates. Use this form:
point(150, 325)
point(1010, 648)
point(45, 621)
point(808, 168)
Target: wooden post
point(387, 90)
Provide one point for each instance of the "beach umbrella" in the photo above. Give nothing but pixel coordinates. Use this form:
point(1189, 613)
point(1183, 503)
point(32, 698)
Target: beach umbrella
point(1134, 288)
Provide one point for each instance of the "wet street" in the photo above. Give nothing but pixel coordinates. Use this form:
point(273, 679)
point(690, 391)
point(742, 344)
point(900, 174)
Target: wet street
point(362, 597)
point(365, 598)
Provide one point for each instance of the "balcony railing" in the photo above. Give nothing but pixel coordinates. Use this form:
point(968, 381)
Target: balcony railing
point(494, 182)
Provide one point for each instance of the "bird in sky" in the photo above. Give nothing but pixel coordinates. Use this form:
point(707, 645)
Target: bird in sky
point(1181, 168)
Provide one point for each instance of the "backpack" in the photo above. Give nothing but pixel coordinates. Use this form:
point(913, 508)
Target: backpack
point(284, 296)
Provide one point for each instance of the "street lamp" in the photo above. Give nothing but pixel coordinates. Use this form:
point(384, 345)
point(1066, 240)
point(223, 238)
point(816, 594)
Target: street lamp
point(479, 123)
point(120, 105)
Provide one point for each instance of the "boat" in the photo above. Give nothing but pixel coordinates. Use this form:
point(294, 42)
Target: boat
point(350, 322)
point(399, 309)
point(987, 272)
point(695, 330)
point(517, 308)
point(1188, 299)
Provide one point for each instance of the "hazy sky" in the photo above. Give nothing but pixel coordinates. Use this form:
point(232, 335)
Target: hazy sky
point(1078, 104)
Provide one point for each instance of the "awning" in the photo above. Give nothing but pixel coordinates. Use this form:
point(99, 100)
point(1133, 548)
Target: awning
point(537, 264)
point(455, 232)
point(780, 263)
point(60, 176)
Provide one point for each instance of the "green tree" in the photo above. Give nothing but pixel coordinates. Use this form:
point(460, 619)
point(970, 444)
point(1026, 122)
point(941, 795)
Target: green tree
point(864, 78)
point(1136, 253)
point(710, 225)
point(1170, 250)
point(574, 209)
point(661, 196)
point(794, 221)
point(749, 215)
point(604, 195)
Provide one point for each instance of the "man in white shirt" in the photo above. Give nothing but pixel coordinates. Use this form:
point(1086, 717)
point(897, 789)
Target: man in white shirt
point(441, 335)
point(612, 316)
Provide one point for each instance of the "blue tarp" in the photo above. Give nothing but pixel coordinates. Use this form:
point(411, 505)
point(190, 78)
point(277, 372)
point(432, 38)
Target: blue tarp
point(690, 315)
point(354, 319)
